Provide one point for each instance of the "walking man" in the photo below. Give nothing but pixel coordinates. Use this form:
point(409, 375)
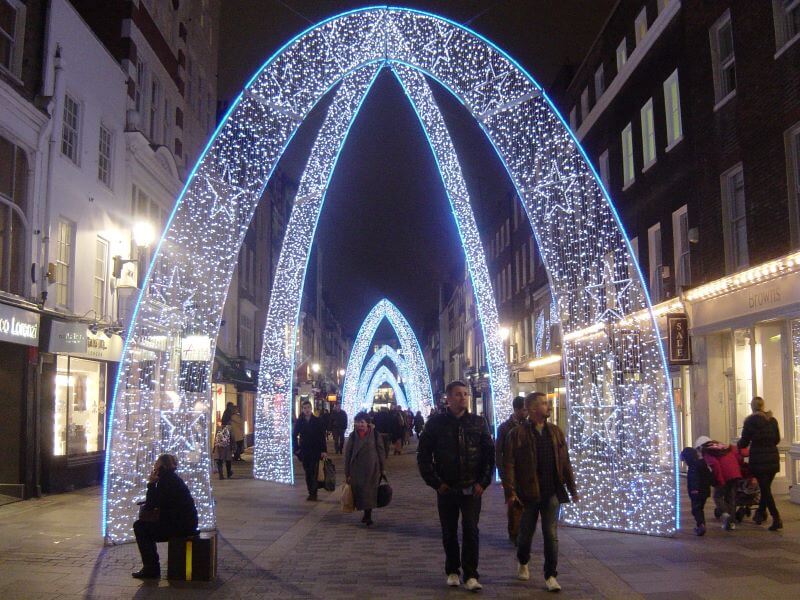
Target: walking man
point(514, 512)
point(338, 427)
point(536, 470)
point(456, 458)
point(309, 444)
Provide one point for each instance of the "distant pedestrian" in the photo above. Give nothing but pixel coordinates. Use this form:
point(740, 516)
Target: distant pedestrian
point(236, 425)
point(761, 434)
point(536, 471)
point(397, 429)
point(698, 483)
point(514, 509)
point(419, 423)
point(168, 511)
point(364, 465)
point(724, 461)
point(338, 427)
point(325, 417)
point(456, 458)
point(222, 451)
point(310, 446)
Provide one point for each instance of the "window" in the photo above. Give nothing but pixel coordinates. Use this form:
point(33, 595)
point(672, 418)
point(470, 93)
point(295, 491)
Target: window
point(680, 241)
point(584, 104)
point(140, 68)
point(672, 109)
point(635, 247)
point(100, 276)
point(656, 262)
point(662, 4)
point(792, 139)
point(12, 29)
point(599, 83)
point(13, 217)
point(155, 104)
point(723, 61)
point(648, 135)
point(79, 414)
point(786, 15)
point(245, 336)
point(627, 156)
point(64, 263)
point(189, 77)
point(622, 55)
point(735, 224)
point(69, 130)
point(165, 121)
point(573, 118)
point(640, 26)
point(603, 164)
point(104, 156)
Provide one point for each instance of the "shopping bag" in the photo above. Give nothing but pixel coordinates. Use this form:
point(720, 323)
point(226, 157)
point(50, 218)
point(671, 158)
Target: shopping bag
point(330, 475)
point(347, 499)
point(321, 473)
point(384, 492)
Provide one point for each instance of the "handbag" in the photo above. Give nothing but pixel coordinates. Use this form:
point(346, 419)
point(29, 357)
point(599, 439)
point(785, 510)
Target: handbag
point(330, 475)
point(384, 492)
point(148, 515)
point(348, 504)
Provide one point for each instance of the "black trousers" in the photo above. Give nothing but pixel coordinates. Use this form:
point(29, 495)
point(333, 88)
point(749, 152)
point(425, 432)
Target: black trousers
point(310, 466)
point(767, 502)
point(450, 505)
point(338, 440)
point(228, 466)
point(698, 508)
point(238, 449)
point(147, 534)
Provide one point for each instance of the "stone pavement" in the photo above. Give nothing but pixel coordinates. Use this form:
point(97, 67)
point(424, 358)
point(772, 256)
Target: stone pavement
point(273, 544)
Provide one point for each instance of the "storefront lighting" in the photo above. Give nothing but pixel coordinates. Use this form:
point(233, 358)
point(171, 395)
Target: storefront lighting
point(769, 270)
point(544, 361)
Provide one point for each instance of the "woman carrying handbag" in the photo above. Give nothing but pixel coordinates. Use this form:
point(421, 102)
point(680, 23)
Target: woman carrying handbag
point(364, 457)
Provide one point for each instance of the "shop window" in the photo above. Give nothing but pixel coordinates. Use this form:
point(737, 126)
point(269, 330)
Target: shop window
point(786, 15)
point(768, 362)
point(723, 58)
point(79, 415)
point(13, 219)
point(795, 348)
point(743, 377)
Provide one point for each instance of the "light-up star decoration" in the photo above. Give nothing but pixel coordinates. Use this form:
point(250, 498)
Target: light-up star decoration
point(573, 221)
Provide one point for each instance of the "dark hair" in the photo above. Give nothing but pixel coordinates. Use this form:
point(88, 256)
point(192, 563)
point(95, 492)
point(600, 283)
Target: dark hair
point(304, 402)
point(167, 462)
point(362, 416)
point(533, 397)
point(518, 402)
point(454, 384)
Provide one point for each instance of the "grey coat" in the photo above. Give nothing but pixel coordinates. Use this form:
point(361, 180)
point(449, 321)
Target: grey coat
point(363, 464)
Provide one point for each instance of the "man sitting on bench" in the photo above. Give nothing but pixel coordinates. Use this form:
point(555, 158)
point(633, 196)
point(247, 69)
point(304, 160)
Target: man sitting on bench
point(168, 512)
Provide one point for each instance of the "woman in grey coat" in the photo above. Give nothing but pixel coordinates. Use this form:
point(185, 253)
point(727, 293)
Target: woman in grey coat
point(364, 457)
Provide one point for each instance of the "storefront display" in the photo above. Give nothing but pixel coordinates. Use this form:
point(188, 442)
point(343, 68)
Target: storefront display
point(80, 406)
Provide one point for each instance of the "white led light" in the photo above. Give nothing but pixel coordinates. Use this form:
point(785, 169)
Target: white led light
point(621, 417)
point(389, 355)
point(383, 376)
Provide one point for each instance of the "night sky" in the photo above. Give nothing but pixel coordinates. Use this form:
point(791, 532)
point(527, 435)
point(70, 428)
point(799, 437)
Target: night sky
point(386, 229)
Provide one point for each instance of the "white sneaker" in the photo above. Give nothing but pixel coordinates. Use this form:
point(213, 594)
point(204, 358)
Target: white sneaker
point(453, 580)
point(552, 584)
point(473, 585)
point(523, 574)
point(726, 521)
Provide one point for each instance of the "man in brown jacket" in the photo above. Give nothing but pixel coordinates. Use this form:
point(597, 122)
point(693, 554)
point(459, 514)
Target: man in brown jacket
point(506, 427)
point(537, 469)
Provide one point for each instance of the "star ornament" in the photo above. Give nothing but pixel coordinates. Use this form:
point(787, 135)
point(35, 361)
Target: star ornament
point(556, 189)
point(184, 431)
point(225, 195)
point(171, 294)
point(606, 294)
point(488, 91)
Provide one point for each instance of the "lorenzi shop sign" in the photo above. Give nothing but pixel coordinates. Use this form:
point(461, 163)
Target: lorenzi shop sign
point(18, 326)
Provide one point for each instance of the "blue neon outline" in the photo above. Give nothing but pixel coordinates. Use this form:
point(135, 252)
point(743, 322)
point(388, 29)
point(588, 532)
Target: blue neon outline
point(394, 384)
point(316, 222)
point(385, 316)
point(524, 72)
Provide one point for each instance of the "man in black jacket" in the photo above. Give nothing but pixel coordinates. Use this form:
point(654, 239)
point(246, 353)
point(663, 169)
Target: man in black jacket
point(456, 458)
point(338, 427)
point(309, 444)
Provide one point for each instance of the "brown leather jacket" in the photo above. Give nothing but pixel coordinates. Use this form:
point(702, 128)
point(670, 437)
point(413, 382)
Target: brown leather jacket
point(519, 474)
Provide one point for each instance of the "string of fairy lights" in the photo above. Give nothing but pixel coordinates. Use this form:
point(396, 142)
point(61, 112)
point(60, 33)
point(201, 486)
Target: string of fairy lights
point(383, 356)
point(621, 419)
point(383, 376)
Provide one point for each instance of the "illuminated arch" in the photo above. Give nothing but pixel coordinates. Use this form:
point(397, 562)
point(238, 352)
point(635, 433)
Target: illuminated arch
point(388, 354)
point(416, 375)
point(382, 376)
point(621, 418)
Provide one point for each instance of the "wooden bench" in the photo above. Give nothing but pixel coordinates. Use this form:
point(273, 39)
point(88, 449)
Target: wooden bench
point(193, 558)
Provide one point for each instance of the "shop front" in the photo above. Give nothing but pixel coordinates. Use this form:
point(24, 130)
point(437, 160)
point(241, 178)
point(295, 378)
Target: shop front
point(78, 368)
point(19, 338)
point(746, 343)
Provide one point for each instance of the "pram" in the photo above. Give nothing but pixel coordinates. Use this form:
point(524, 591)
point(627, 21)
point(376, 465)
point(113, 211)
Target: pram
point(748, 494)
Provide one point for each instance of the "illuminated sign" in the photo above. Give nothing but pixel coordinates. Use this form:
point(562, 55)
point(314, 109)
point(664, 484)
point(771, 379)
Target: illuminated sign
point(18, 326)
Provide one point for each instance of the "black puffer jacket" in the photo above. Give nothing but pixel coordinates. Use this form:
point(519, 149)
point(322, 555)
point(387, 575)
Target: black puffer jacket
point(456, 451)
point(761, 433)
point(698, 476)
point(178, 514)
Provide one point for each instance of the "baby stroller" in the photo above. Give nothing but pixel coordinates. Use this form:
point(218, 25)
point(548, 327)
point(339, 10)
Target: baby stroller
point(748, 494)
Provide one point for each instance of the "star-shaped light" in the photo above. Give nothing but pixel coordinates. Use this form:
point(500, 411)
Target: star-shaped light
point(226, 195)
point(607, 292)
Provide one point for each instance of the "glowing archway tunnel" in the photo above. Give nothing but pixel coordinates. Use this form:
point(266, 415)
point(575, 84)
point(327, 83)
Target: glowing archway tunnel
point(388, 355)
point(383, 376)
point(414, 371)
point(621, 418)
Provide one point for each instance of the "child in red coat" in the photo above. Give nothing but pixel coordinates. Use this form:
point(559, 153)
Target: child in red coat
point(725, 463)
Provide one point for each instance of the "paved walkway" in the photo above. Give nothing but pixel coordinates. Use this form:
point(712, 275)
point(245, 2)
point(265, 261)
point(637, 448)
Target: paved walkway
point(273, 544)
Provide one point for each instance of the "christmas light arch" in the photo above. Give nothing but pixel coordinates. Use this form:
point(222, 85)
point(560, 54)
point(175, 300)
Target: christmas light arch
point(621, 418)
point(386, 354)
point(415, 377)
point(382, 376)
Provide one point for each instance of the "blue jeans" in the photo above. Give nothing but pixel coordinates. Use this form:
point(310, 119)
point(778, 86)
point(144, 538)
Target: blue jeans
point(549, 510)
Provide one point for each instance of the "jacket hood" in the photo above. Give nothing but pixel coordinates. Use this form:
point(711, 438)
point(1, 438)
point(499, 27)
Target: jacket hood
point(716, 449)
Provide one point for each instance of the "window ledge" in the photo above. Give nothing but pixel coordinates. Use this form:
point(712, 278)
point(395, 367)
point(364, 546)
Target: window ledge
point(13, 76)
point(673, 144)
point(788, 43)
point(725, 100)
point(648, 166)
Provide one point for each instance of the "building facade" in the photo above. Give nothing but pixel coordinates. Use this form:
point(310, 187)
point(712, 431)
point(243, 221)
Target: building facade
point(690, 112)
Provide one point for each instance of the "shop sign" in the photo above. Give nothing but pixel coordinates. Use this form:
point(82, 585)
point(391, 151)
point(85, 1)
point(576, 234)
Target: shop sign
point(680, 349)
point(67, 338)
point(102, 347)
point(196, 348)
point(18, 326)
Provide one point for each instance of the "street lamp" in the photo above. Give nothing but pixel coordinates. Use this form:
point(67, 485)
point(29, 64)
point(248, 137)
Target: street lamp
point(143, 235)
point(315, 368)
point(504, 332)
